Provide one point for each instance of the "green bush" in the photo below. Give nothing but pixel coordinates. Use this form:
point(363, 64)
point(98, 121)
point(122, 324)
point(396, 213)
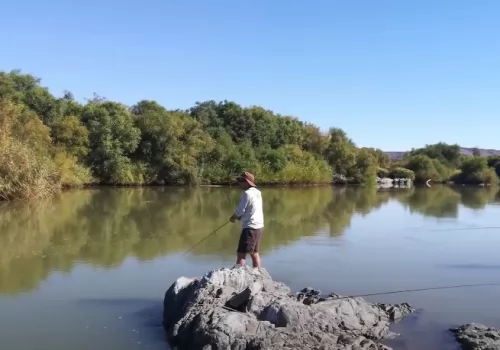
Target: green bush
point(497, 169)
point(364, 170)
point(297, 167)
point(382, 172)
point(475, 171)
point(71, 173)
point(401, 173)
point(426, 168)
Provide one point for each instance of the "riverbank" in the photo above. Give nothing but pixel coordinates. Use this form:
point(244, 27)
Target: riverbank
point(380, 185)
point(49, 142)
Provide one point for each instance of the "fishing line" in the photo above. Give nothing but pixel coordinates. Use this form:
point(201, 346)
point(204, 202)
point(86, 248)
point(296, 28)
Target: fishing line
point(436, 230)
point(420, 290)
point(468, 228)
point(211, 233)
point(396, 292)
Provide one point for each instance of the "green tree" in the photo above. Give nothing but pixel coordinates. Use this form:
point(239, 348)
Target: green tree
point(340, 152)
point(493, 160)
point(70, 134)
point(289, 132)
point(448, 155)
point(264, 126)
point(381, 158)
point(314, 140)
point(426, 168)
point(113, 138)
point(173, 145)
point(475, 170)
point(364, 170)
point(497, 169)
point(273, 160)
point(240, 158)
point(401, 173)
point(382, 172)
point(296, 167)
point(25, 89)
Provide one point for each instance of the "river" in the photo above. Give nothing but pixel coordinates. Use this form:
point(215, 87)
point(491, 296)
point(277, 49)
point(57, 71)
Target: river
point(88, 269)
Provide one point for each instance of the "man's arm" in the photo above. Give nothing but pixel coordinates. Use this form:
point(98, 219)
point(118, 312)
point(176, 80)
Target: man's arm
point(240, 209)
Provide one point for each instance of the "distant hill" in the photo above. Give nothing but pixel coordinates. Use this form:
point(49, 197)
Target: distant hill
point(464, 150)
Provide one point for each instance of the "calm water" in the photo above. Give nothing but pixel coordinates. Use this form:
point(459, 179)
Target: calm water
point(88, 269)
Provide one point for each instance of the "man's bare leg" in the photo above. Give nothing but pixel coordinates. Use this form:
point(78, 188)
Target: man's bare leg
point(255, 259)
point(240, 258)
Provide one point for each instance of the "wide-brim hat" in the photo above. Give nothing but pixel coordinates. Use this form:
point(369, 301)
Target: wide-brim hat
point(248, 178)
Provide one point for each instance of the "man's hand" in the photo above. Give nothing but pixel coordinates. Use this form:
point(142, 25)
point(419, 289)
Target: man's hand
point(233, 218)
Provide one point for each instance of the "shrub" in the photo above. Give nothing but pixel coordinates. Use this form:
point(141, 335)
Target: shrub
point(474, 171)
point(426, 168)
point(399, 173)
point(382, 172)
point(364, 170)
point(30, 166)
point(25, 173)
point(497, 169)
point(70, 172)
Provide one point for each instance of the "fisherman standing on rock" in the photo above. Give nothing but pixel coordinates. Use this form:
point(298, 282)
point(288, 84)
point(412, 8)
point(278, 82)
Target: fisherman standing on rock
point(250, 212)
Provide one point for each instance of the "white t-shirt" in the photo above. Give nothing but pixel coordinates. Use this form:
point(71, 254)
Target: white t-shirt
point(250, 209)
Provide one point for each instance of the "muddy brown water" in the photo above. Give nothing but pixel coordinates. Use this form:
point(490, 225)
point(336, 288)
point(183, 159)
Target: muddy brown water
point(88, 269)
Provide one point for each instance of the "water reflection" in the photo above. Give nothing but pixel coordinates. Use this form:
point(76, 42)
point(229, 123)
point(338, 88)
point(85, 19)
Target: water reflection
point(103, 227)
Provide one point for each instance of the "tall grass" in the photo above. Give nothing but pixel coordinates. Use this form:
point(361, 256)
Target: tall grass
point(24, 173)
point(70, 172)
point(26, 169)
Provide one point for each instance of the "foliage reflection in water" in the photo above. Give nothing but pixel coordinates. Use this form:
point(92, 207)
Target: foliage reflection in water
point(103, 227)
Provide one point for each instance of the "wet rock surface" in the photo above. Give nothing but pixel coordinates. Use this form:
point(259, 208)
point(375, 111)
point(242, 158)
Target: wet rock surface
point(243, 308)
point(475, 336)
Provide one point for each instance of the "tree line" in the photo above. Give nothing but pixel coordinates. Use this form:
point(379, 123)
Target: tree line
point(48, 142)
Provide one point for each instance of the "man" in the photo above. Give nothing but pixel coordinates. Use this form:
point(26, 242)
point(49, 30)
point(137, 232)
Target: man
point(249, 211)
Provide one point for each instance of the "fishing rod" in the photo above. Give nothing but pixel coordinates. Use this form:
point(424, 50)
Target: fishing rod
point(420, 290)
point(211, 233)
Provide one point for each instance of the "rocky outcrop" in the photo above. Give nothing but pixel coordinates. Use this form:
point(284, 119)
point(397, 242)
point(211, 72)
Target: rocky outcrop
point(243, 308)
point(385, 182)
point(475, 336)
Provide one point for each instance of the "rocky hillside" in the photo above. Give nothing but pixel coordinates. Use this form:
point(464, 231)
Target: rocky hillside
point(463, 150)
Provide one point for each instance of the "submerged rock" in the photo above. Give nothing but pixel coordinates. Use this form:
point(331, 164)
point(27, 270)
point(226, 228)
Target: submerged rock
point(475, 336)
point(243, 308)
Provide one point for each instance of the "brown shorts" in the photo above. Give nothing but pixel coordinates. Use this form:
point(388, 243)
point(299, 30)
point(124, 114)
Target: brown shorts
point(249, 240)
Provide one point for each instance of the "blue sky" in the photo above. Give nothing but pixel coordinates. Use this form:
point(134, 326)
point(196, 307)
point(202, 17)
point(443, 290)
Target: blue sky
point(393, 74)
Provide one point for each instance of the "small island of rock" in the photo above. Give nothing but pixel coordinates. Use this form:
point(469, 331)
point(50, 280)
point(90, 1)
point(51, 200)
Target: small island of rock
point(475, 336)
point(242, 308)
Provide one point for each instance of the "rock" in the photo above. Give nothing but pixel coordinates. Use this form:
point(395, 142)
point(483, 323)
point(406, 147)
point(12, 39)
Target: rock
point(386, 182)
point(475, 336)
point(396, 312)
point(243, 308)
point(309, 296)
